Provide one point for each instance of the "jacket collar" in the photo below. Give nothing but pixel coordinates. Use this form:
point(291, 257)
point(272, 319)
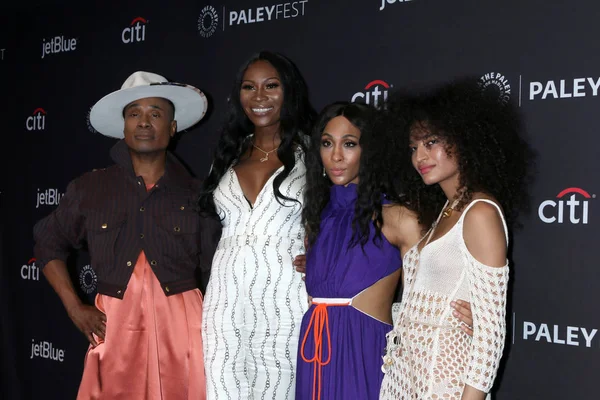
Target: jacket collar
point(175, 171)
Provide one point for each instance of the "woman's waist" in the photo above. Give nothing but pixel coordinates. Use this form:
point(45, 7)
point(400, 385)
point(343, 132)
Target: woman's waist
point(422, 339)
point(325, 282)
point(254, 240)
point(337, 316)
point(428, 308)
point(257, 277)
point(428, 324)
point(341, 310)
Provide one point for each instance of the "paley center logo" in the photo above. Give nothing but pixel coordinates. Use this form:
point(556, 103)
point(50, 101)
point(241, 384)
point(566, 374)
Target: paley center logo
point(385, 2)
point(30, 271)
point(48, 197)
point(564, 88)
point(135, 32)
point(37, 120)
point(208, 20)
point(559, 334)
point(58, 44)
point(47, 350)
point(374, 92)
point(575, 201)
point(496, 83)
point(88, 280)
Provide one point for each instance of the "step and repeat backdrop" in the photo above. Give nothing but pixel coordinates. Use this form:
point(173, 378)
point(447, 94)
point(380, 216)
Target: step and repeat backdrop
point(57, 61)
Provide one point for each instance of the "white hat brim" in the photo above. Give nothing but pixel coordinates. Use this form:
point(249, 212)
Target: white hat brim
point(190, 104)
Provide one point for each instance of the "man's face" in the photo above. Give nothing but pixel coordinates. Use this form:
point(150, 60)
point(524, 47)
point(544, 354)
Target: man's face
point(149, 124)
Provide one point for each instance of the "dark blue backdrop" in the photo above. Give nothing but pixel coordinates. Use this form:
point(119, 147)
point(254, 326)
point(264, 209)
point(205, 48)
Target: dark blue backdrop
point(57, 60)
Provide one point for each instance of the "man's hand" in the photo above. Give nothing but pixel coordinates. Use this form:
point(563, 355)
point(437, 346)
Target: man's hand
point(88, 319)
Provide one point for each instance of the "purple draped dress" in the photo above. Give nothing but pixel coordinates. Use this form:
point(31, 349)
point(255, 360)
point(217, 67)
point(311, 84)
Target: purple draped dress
point(356, 341)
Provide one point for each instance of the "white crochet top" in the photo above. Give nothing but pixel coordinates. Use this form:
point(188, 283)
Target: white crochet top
point(428, 356)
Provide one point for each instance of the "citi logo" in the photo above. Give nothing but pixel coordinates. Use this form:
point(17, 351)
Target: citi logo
point(30, 271)
point(384, 2)
point(37, 121)
point(58, 44)
point(46, 350)
point(551, 211)
point(135, 32)
point(49, 197)
point(374, 92)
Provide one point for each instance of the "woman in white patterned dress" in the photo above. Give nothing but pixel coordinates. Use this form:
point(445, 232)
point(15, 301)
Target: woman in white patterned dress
point(255, 299)
point(466, 151)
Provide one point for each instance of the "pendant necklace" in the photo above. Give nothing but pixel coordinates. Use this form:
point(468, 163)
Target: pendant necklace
point(447, 212)
point(266, 157)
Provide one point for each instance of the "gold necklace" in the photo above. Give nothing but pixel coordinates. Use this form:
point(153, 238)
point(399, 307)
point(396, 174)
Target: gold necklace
point(266, 157)
point(447, 212)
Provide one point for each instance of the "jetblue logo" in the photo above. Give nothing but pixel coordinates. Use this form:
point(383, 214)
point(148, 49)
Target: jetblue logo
point(43, 349)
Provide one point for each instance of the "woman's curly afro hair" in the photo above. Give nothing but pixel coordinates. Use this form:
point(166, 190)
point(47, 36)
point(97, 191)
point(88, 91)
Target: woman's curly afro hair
point(480, 130)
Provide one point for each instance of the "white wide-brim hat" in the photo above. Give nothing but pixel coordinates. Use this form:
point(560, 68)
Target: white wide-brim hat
point(190, 103)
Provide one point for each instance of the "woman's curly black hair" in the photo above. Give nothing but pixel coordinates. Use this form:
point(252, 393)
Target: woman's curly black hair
point(297, 117)
point(316, 195)
point(483, 132)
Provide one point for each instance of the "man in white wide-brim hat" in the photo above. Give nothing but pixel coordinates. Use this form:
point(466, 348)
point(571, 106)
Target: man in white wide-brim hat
point(150, 246)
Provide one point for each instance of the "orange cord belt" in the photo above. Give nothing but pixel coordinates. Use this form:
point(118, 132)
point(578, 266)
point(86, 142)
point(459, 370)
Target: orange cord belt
point(319, 322)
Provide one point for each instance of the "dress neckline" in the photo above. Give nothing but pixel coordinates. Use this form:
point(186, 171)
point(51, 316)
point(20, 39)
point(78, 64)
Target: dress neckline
point(239, 185)
point(343, 196)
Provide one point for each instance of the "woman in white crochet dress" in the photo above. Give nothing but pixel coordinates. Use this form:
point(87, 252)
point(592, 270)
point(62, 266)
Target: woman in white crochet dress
point(464, 164)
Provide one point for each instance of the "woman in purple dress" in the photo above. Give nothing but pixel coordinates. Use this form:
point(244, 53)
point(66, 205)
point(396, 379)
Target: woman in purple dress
point(353, 264)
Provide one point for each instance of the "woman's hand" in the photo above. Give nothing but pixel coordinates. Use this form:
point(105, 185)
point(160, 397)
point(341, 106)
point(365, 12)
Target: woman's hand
point(300, 263)
point(462, 311)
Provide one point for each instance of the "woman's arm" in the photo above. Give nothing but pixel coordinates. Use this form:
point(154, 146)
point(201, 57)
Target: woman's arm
point(470, 393)
point(486, 249)
point(400, 227)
